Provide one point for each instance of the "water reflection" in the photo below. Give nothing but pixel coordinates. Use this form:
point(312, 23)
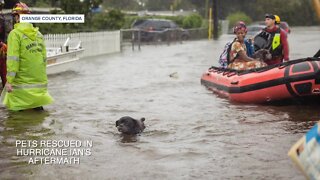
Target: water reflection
point(295, 115)
point(24, 125)
point(188, 128)
point(124, 138)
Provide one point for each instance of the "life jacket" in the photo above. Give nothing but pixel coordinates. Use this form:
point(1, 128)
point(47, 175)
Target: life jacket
point(270, 41)
point(250, 47)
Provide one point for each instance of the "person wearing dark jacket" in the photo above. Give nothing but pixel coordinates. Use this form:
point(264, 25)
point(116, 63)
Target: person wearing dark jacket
point(3, 46)
point(274, 39)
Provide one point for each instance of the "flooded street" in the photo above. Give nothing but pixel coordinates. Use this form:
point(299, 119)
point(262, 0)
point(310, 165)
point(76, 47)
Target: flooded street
point(191, 133)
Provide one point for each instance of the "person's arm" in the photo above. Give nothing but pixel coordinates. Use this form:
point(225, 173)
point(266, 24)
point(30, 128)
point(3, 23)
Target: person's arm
point(13, 58)
point(243, 56)
point(238, 52)
point(44, 52)
point(41, 42)
point(3, 50)
point(285, 45)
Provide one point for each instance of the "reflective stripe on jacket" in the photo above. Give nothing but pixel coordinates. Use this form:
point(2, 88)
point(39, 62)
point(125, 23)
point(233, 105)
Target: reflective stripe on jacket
point(26, 69)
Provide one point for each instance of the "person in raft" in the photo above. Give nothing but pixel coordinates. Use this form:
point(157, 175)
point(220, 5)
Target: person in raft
point(238, 58)
point(26, 86)
point(274, 39)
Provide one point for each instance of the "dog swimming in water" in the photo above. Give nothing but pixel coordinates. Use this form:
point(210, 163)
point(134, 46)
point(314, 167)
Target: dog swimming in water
point(130, 126)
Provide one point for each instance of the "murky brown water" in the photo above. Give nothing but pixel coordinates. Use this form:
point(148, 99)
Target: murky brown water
point(191, 133)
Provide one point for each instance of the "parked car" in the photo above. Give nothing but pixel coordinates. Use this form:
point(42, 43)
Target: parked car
point(159, 30)
point(283, 24)
point(254, 29)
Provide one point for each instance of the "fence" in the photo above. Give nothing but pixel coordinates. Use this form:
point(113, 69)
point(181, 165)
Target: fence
point(99, 43)
point(94, 43)
point(224, 26)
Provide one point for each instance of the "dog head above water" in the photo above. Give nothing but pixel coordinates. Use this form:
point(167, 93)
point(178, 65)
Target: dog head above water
point(128, 125)
point(262, 55)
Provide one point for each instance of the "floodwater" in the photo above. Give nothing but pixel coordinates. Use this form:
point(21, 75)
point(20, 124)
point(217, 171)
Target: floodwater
point(191, 133)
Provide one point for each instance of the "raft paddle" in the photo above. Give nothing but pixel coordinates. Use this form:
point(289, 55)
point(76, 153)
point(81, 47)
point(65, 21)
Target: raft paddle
point(317, 54)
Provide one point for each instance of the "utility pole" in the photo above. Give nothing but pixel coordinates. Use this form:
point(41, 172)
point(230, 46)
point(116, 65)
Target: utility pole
point(210, 24)
point(215, 19)
point(316, 5)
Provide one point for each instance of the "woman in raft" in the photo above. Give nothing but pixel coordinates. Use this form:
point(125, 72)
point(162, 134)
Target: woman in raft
point(238, 58)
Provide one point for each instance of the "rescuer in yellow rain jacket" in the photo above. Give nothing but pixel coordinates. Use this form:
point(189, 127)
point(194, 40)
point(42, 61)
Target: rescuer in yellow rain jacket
point(26, 86)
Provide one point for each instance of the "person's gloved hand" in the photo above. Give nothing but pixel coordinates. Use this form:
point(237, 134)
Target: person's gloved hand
point(9, 87)
point(3, 50)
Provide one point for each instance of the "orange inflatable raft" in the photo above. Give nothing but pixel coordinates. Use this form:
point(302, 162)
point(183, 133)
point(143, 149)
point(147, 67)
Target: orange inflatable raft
point(290, 79)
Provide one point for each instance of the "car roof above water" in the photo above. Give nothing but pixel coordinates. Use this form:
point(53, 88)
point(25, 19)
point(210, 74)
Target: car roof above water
point(142, 22)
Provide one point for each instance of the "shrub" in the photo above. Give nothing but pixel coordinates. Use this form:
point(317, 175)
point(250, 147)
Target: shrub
point(192, 21)
point(238, 16)
point(115, 19)
point(112, 20)
point(54, 28)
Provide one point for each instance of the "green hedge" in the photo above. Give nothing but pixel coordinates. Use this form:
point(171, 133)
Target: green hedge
point(238, 16)
point(112, 20)
point(192, 21)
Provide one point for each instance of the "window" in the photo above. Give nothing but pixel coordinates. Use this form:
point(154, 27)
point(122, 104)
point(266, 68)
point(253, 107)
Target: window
point(173, 25)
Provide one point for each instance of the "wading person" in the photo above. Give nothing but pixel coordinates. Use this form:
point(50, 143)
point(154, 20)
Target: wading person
point(3, 47)
point(26, 86)
point(274, 39)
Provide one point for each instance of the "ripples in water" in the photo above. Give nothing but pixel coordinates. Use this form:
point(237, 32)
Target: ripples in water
point(191, 133)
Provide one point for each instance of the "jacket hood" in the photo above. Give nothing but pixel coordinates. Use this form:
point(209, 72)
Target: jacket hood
point(27, 29)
